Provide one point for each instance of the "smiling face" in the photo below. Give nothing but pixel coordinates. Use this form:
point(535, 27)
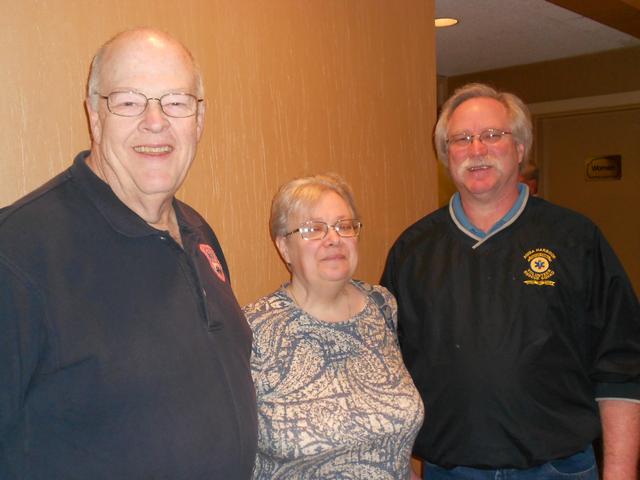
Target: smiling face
point(144, 157)
point(483, 172)
point(316, 262)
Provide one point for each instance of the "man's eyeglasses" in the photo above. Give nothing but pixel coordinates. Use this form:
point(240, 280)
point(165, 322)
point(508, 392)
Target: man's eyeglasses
point(132, 104)
point(487, 137)
point(318, 230)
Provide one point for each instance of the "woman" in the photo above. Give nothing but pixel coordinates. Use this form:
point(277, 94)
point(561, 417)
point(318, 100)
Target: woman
point(334, 398)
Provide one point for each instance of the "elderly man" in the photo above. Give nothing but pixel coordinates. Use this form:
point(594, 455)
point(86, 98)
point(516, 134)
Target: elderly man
point(517, 321)
point(123, 352)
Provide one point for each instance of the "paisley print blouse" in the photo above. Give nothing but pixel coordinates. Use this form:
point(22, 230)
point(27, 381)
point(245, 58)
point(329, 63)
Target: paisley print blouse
point(334, 399)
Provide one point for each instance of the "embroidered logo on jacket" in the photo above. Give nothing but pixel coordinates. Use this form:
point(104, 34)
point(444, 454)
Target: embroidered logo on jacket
point(216, 266)
point(539, 271)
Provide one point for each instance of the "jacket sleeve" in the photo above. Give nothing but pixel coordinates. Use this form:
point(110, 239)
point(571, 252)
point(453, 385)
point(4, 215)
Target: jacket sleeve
point(615, 325)
point(387, 280)
point(390, 282)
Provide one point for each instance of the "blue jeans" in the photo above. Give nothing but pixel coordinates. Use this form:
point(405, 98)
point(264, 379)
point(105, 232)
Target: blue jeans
point(581, 466)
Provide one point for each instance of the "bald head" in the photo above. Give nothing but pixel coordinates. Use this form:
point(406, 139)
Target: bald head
point(132, 43)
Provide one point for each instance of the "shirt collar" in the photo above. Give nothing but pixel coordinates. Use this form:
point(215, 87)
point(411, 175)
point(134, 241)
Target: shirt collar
point(115, 212)
point(462, 221)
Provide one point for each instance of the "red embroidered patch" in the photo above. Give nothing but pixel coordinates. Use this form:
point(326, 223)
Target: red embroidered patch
point(216, 266)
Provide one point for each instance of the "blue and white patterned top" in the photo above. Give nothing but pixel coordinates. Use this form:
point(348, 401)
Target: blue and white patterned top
point(335, 400)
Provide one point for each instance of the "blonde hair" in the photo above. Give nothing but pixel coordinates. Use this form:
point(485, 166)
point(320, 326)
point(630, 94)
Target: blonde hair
point(301, 194)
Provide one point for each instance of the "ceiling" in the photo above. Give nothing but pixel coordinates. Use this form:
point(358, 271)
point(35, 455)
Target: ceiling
point(494, 34)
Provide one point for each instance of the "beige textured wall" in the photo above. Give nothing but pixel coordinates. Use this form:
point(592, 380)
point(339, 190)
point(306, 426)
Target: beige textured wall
point(293, 87)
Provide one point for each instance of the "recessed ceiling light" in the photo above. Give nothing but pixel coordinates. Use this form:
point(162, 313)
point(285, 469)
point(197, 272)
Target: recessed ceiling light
point(445, 22)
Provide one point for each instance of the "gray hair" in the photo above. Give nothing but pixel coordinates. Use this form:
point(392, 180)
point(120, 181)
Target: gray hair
point(301, 194)
point(521, 129)
point(93, 83)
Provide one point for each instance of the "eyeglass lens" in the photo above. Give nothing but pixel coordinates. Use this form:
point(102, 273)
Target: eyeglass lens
point(319, 230)
point(132, 104)
point(487, 137)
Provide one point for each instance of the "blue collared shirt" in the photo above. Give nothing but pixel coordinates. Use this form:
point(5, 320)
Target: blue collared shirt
point(463, 222)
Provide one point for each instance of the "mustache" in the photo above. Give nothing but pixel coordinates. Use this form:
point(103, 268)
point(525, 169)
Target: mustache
point(478, 161)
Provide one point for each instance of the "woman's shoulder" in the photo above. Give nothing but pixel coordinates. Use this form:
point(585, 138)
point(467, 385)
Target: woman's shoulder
point(379, 294)
point(266, 307)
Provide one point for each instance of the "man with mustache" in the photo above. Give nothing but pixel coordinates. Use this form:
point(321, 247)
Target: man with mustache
point(516, 320)
point(123, 351)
